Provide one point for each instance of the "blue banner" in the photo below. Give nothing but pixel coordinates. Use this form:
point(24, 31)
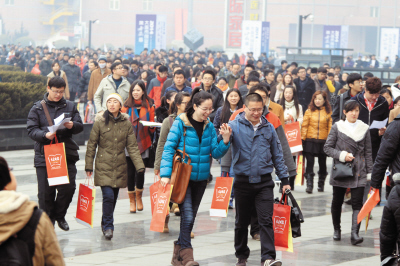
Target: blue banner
point(331, 38)
point(145, 32)
point(265, 30)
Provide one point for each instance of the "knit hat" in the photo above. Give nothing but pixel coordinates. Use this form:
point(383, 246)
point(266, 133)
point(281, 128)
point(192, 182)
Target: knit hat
point(102, 57)
point(115, 96)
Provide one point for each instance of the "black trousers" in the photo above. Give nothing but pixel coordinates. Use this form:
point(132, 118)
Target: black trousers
point(135, 179)
point(310, 163)
point(55, 204)
point(356, 198)
point(260, 195)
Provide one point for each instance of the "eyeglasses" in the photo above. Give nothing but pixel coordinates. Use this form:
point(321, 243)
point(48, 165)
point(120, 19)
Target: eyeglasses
point(118, 68)
point(206, 110)
point(57, 92)
point(208, 79)
point(255, 110)
point(184, 102)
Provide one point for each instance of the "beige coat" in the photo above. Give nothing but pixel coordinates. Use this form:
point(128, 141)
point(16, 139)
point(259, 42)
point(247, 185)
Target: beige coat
point(64, 76)
point(15, 212)
point(95, 80)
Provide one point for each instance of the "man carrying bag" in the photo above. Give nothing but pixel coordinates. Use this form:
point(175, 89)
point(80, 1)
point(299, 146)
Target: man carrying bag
point(256, 152)
point(42, 115)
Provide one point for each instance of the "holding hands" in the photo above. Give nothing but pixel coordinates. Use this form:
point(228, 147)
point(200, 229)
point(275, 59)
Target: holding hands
point(225, 132)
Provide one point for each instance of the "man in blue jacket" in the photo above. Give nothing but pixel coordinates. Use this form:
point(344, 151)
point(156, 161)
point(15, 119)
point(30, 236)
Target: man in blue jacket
point(256, 151)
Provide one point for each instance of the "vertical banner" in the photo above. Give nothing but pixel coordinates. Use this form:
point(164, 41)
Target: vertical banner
point(161, 34)
point(265, 31)
point(331, 38)
point(145, 32)
point(344, 37)
point(234, 23)
point(389, 45)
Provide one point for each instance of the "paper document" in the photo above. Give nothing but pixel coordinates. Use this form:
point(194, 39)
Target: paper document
point(150, 124)
point(59, 123)
point(378, 124)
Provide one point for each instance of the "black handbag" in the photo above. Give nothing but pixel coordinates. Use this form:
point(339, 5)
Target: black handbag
point(341, 171)
point(296, 216)
point(149, 161)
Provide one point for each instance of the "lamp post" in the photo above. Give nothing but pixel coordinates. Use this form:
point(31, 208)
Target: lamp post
point(301, 28)
point(90, 31)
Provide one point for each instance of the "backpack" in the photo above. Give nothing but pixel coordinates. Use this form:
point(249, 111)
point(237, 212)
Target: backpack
point(19, 250)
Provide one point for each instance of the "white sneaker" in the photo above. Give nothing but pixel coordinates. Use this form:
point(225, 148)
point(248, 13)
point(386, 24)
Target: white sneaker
point(271, 263)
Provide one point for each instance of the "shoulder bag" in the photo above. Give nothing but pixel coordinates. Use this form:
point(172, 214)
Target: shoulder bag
point(181, 172)
point(341, 171)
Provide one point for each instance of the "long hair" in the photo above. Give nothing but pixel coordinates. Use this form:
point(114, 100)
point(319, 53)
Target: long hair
point(173, 109)
point(226, 108)
point(295, 98)
point(146, 100)
point(198, 97)
point(167, 96)
point(291, 79)
point(327, 106)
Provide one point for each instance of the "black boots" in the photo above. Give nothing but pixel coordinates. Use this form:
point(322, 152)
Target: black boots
point(321, 181)
point(310, 182)
point(291, 182)
point(355, 228)
point(336, 224)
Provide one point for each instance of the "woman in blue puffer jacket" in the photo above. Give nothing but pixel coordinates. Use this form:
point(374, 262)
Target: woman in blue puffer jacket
point(201, 141)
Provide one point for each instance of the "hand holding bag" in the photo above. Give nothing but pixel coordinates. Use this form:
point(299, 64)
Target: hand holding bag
point(181, 172)
point(281, 223)
point(342, 171)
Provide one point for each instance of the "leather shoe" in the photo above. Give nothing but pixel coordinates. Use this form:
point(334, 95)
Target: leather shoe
point(63, 224)
point(256, 237)
point(108, 234)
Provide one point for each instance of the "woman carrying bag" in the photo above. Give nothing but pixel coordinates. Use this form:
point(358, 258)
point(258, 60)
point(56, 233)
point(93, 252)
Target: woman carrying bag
point(317, 123)
point(112, 133)
point(177, 107)
point(197, 132)
point(349, 142)
point(139, 107)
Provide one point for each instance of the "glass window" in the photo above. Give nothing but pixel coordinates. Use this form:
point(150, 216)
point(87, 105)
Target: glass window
point(114, 4)
point(147, 5)
point(9, 2)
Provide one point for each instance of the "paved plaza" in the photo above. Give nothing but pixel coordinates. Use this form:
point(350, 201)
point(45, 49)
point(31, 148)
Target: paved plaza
point(135, 244)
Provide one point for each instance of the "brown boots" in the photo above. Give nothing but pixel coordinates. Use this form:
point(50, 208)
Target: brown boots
point(132, 201)
point(183, 257)
point(139, 193)
point(166, 229)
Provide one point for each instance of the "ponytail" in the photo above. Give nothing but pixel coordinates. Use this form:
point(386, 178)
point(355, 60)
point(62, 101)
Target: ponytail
point(173, 108)
point(198, 97)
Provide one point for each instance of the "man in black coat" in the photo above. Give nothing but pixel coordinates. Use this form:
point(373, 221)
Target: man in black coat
point(55, 206)
point(305, 88)
point(74, 75)
point(390, 224)
point(45, 65)
point(208, 85)
point(354, 81)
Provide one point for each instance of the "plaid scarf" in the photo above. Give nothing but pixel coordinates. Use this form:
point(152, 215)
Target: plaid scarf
point(142, 133)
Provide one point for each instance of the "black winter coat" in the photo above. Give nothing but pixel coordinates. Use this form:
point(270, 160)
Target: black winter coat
point(388, 154)
point(37, 128)
point(390, 223)
point(45, 67)
point(336, 114)
point(218, 99)
point(73, 73)
point(379, 113)
point(305, 94)
point(84, 82)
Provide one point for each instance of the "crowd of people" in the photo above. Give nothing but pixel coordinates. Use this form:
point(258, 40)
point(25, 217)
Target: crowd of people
point(230, 110)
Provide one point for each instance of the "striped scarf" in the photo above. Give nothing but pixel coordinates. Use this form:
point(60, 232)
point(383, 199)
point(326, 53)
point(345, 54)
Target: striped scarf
point(142, 133)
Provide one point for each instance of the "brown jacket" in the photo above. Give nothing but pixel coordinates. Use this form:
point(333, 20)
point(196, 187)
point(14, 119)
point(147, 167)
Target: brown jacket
point(95, 80)
point(64, 76)
point(15, 212)
point(316, 124)
point(111, 141)
point(278, 111)
point(393, 114)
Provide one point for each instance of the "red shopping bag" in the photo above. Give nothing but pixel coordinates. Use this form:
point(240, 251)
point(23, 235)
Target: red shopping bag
point(293, 135)
point(222, 193)
point(154, 193)
point(282, 227)
point(300, 170)
point(373, 199)
point(85, 208)
point(161, 208)
point(56, 163)
point(36, 70)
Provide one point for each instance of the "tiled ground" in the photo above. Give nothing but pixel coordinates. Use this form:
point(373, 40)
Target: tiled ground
point(135, 244)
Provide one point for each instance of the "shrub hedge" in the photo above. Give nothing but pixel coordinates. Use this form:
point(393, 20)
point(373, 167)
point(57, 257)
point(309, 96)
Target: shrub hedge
point(17, 98)
point(9, 68)
point(19, 76)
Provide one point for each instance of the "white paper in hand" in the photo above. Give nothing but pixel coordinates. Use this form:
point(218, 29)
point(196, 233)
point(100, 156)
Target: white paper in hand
point(59, 123)
point(378, 124)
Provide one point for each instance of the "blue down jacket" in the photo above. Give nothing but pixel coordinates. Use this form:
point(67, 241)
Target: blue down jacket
point(199, 153)
point(256, 153)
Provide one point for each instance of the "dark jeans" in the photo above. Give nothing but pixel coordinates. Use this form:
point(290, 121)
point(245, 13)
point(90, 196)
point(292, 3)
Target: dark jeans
point(72, 95)
point(110, 196)
point(134, 178)
point(55, 204)
point(356, 198)
point(189, 209)
point(260, 195)
point(310, 163)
